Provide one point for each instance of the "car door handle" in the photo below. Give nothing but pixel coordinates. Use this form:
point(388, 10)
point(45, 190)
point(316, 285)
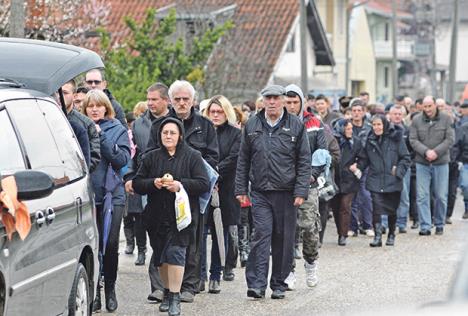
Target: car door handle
point(40, 218)
point(50, 215)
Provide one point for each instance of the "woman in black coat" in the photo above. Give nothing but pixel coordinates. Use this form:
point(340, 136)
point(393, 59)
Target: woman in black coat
point(346, 180)
point(187, 169)
point(220, 111)
point(388, 159)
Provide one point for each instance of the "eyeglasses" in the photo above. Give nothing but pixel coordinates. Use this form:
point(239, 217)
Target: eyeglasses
point(172, 133)
point(214, 112)
point(96, 82)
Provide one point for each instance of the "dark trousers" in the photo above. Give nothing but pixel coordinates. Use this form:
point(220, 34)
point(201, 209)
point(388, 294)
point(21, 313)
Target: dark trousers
point(134, 229)
point(454, 173)
point(216, 266)
point(323, 210)
point(232, 247)
point(110, 261)
point(341, 205)
point(192, 273)
point(361, 209)
point(155, 278)
point(274, 219)
point(413, 211)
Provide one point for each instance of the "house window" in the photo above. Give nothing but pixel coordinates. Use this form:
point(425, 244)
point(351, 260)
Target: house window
point(386, 77)
point(291, 48)
point(387, 32)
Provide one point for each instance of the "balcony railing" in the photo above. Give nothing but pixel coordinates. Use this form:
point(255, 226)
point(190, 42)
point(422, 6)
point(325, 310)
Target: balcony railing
point(383, 49)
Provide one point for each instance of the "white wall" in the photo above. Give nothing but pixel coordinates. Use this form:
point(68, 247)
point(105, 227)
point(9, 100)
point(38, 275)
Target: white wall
point(443, 44)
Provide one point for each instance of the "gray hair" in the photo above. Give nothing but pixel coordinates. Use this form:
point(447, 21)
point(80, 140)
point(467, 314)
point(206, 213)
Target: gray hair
point(181, 85)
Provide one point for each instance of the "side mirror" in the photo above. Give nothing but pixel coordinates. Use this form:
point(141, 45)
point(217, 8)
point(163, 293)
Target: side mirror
point(33, 184)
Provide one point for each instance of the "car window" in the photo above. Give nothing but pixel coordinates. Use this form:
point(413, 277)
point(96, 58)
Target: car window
point(41, 149)
point(11, 159)
point(68, 147)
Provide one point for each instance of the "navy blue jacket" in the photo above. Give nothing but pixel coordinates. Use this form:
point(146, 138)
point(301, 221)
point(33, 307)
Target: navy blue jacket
point(115, 149)
point(274, 158)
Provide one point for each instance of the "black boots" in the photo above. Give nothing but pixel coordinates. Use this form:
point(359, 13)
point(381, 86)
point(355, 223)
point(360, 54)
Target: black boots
point(377, 242)
point(130, 238)
point(243, 245)
point(140, 261)
point(174, 304)
point(391, 230)
point(111, 299)
point(97, 301)
point(164, 306)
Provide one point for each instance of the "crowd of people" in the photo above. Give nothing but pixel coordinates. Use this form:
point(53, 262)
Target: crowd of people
point(276, 169)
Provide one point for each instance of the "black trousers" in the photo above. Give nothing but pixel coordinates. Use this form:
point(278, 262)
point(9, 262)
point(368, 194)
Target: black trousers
point(454, 173)
point(233, 247)
point(134, 229)
point(110, 261)
point(192, 273)
point(274, 218)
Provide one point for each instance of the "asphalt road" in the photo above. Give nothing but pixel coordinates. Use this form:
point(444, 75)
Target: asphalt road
point(353, 280)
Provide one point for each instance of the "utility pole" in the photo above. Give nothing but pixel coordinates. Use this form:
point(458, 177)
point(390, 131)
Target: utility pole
point(394, 49)
point(17, 22)
point(303, 32)
point(453, 53)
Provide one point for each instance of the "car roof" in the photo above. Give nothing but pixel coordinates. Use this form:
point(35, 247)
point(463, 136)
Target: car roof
point(44, 66)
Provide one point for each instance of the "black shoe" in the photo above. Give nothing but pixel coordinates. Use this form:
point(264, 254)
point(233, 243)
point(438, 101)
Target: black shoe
point(439, 231)
point(278, 295)
point(201, 286)
point(402, 230)
point(390, 240)
point(187, 297)
point(140, 261)
point(155, 297)
point(174, 304)
point(228, 275)
point(377, 242)
point(342, 241)
point(384, 230)
point(164, 306)
point(448, 220)
point(256, 293)
point(111, 299)
point(97, 301)
point(415, 225)
point(425, 232)
point(214, 287)
point(129, 249)
point(297, 253)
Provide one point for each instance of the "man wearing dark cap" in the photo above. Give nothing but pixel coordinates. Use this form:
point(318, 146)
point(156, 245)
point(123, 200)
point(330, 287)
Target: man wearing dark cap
point(460, 151)
point(275, 156)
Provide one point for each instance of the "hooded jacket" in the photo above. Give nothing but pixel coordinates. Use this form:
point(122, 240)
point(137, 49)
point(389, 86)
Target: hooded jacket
point(436, 133)
point(314, 128)
point(115, 150)
point(387, 157)
point(185, 166)
point(199, 134)
point(274, 158)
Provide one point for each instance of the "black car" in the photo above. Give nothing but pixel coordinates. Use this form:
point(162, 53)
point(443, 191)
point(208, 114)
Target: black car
point(55, 269)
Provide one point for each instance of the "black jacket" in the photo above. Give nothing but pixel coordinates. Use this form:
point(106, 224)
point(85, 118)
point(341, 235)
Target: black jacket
point(119, 112)
point(381, 154)
point(93, 136)
point(460, 148)
point(274, 158)
point(229, 138)
point(344, 178)
point(199, 134)
point(185, 166)
point(82, 137)
point(317, 140)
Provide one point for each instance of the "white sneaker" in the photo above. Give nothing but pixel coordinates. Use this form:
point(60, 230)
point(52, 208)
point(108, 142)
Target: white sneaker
point(370, 233)
point(311, 273)
point(291, 281)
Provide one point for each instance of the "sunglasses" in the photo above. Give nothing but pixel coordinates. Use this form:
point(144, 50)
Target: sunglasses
point(96, 82)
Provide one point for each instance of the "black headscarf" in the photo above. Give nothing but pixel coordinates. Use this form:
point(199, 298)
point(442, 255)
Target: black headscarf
point(386, 125)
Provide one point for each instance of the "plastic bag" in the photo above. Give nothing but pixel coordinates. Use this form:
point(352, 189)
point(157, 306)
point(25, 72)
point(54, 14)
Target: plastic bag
point(182, 209)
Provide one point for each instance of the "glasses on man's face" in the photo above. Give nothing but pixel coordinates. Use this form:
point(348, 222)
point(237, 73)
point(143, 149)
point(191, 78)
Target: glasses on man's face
point(171, 133)
point(96, 82)
point(181, 99)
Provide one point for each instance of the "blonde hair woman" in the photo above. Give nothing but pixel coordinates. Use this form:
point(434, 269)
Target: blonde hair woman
point(140, 108)
point(220, 111)
point(115, 154)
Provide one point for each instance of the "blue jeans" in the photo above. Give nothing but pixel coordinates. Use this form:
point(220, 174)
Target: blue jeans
point(361, 209)
point(437, 177)
point(463, 182)
point(403, 209)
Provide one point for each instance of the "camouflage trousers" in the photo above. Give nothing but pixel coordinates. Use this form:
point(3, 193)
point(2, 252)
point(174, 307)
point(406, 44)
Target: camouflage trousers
point(308, 224)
